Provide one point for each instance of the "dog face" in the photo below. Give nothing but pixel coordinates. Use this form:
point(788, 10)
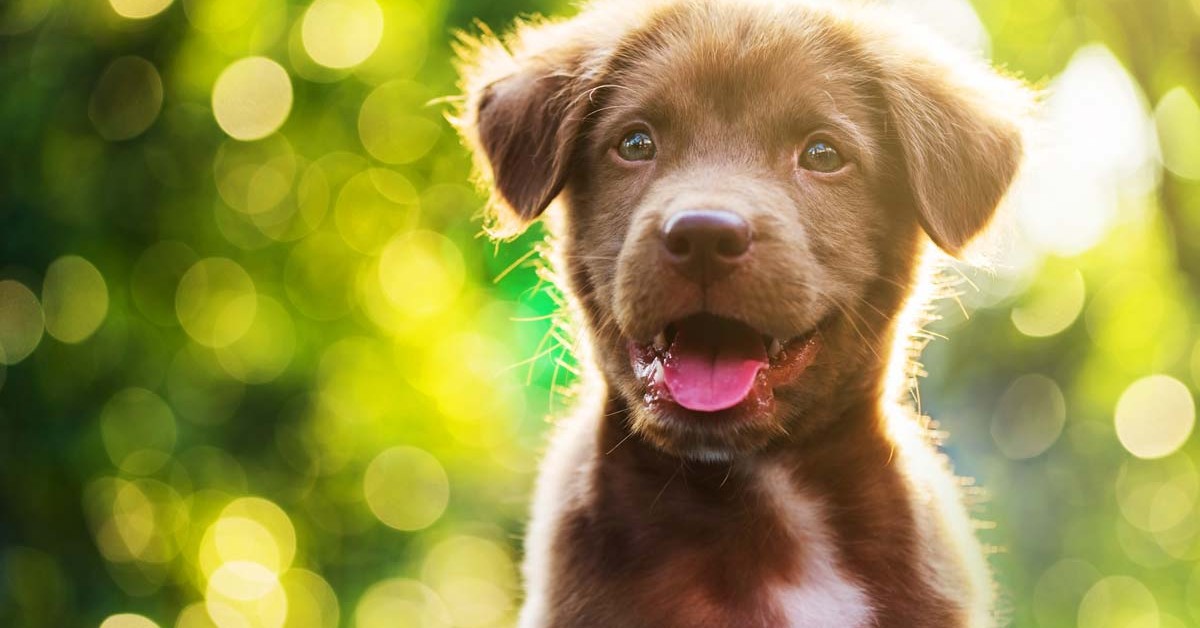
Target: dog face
point(745, 189)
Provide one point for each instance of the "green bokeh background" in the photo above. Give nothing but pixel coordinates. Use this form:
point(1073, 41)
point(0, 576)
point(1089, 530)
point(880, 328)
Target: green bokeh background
point(286, 381)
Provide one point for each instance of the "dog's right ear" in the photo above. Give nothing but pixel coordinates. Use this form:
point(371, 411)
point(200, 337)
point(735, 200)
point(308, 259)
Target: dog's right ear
point(524, 108)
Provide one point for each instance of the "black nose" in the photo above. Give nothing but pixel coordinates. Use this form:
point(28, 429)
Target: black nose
point(705, 244)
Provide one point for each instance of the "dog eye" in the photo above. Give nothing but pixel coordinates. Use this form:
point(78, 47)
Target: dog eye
point(821, 156)
point(637, 146)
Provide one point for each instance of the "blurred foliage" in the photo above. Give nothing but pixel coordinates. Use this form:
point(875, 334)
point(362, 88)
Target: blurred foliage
point(258, 367)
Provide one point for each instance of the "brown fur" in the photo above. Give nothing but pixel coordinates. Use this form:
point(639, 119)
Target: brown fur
point(643, 518)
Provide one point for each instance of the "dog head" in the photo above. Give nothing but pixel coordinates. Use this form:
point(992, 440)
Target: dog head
point(747, 189)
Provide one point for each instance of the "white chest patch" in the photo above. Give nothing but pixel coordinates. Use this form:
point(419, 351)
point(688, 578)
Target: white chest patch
point(820, 594)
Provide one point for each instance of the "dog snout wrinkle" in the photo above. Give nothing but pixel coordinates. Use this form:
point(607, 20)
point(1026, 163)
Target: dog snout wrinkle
point(705, 244)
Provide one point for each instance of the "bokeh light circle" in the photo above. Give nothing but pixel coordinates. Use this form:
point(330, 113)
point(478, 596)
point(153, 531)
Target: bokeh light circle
point(406, 488)
point(127, 620)
point(1029, 417)
point(252, 98)
point(390, 126)
point(1177, 116)
point(1052, 305)
point(421, 273)
point(138, 430)
point(1155, 416)
point(139, 9)
point(127, 99)
point(216, 301)
point(1157, 495)
point(249, 531)
point(372, 206)
point(1118, 602)
point(474, 576)
point(74, 299)
point(265, 349)
point(401, 603)
point(342, 33)
point(312, 603)
point(21, 321)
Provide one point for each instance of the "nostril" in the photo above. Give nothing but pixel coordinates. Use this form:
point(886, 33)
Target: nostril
point(733, 244)
point(678, 244)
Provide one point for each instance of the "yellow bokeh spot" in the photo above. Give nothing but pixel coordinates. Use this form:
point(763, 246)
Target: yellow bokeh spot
point(301, 212)
point(127, 99)
point(1052, 304)
point(139, 9)
point(255, 178)
point(216, 302)
point(137, 520)
point(421, 273)
point(1029, 417)
point(74, 298)
point(1156, 495)
point(391, 126)
point(252, 98)
point(21, 321)
point(265, 350)
point(372, 206)
point(474, 576)
point(128, 526)
point(342, 33)
point(488, 417)
point(401, 603)
point(242, 580)
point(138, 430)
point(1178, 118)
point(404, 45)
point(406, 488)
point(268, 610)
point(249, 530)
point(1155, 416)
point(312, 603)
point(1118, 602)
point(127, 620)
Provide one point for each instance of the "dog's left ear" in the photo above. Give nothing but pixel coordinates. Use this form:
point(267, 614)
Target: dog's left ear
point(959, 127)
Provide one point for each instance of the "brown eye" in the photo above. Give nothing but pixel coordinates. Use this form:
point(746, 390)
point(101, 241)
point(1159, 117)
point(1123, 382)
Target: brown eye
point(637, 146)
point(821, 156)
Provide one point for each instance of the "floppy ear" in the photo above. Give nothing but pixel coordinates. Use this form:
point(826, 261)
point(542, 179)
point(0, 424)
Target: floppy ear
point(523, 112)
point(959, 127)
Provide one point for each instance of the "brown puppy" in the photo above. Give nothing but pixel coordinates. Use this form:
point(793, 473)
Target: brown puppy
point(748, 191)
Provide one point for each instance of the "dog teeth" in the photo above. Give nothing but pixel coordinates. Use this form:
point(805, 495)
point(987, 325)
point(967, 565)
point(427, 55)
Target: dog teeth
point(657, 372)
point(660, 341)
point(775, 349)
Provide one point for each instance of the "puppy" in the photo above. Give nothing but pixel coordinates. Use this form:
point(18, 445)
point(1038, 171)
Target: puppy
point(747, 193)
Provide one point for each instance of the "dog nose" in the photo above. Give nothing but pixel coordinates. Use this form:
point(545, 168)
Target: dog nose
point(705, 244)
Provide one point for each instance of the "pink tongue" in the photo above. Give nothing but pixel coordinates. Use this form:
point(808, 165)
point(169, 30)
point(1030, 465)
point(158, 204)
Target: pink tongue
point(713, 363)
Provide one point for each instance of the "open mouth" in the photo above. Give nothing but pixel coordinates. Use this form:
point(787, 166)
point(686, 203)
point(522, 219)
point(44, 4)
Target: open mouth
point(709, 364)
